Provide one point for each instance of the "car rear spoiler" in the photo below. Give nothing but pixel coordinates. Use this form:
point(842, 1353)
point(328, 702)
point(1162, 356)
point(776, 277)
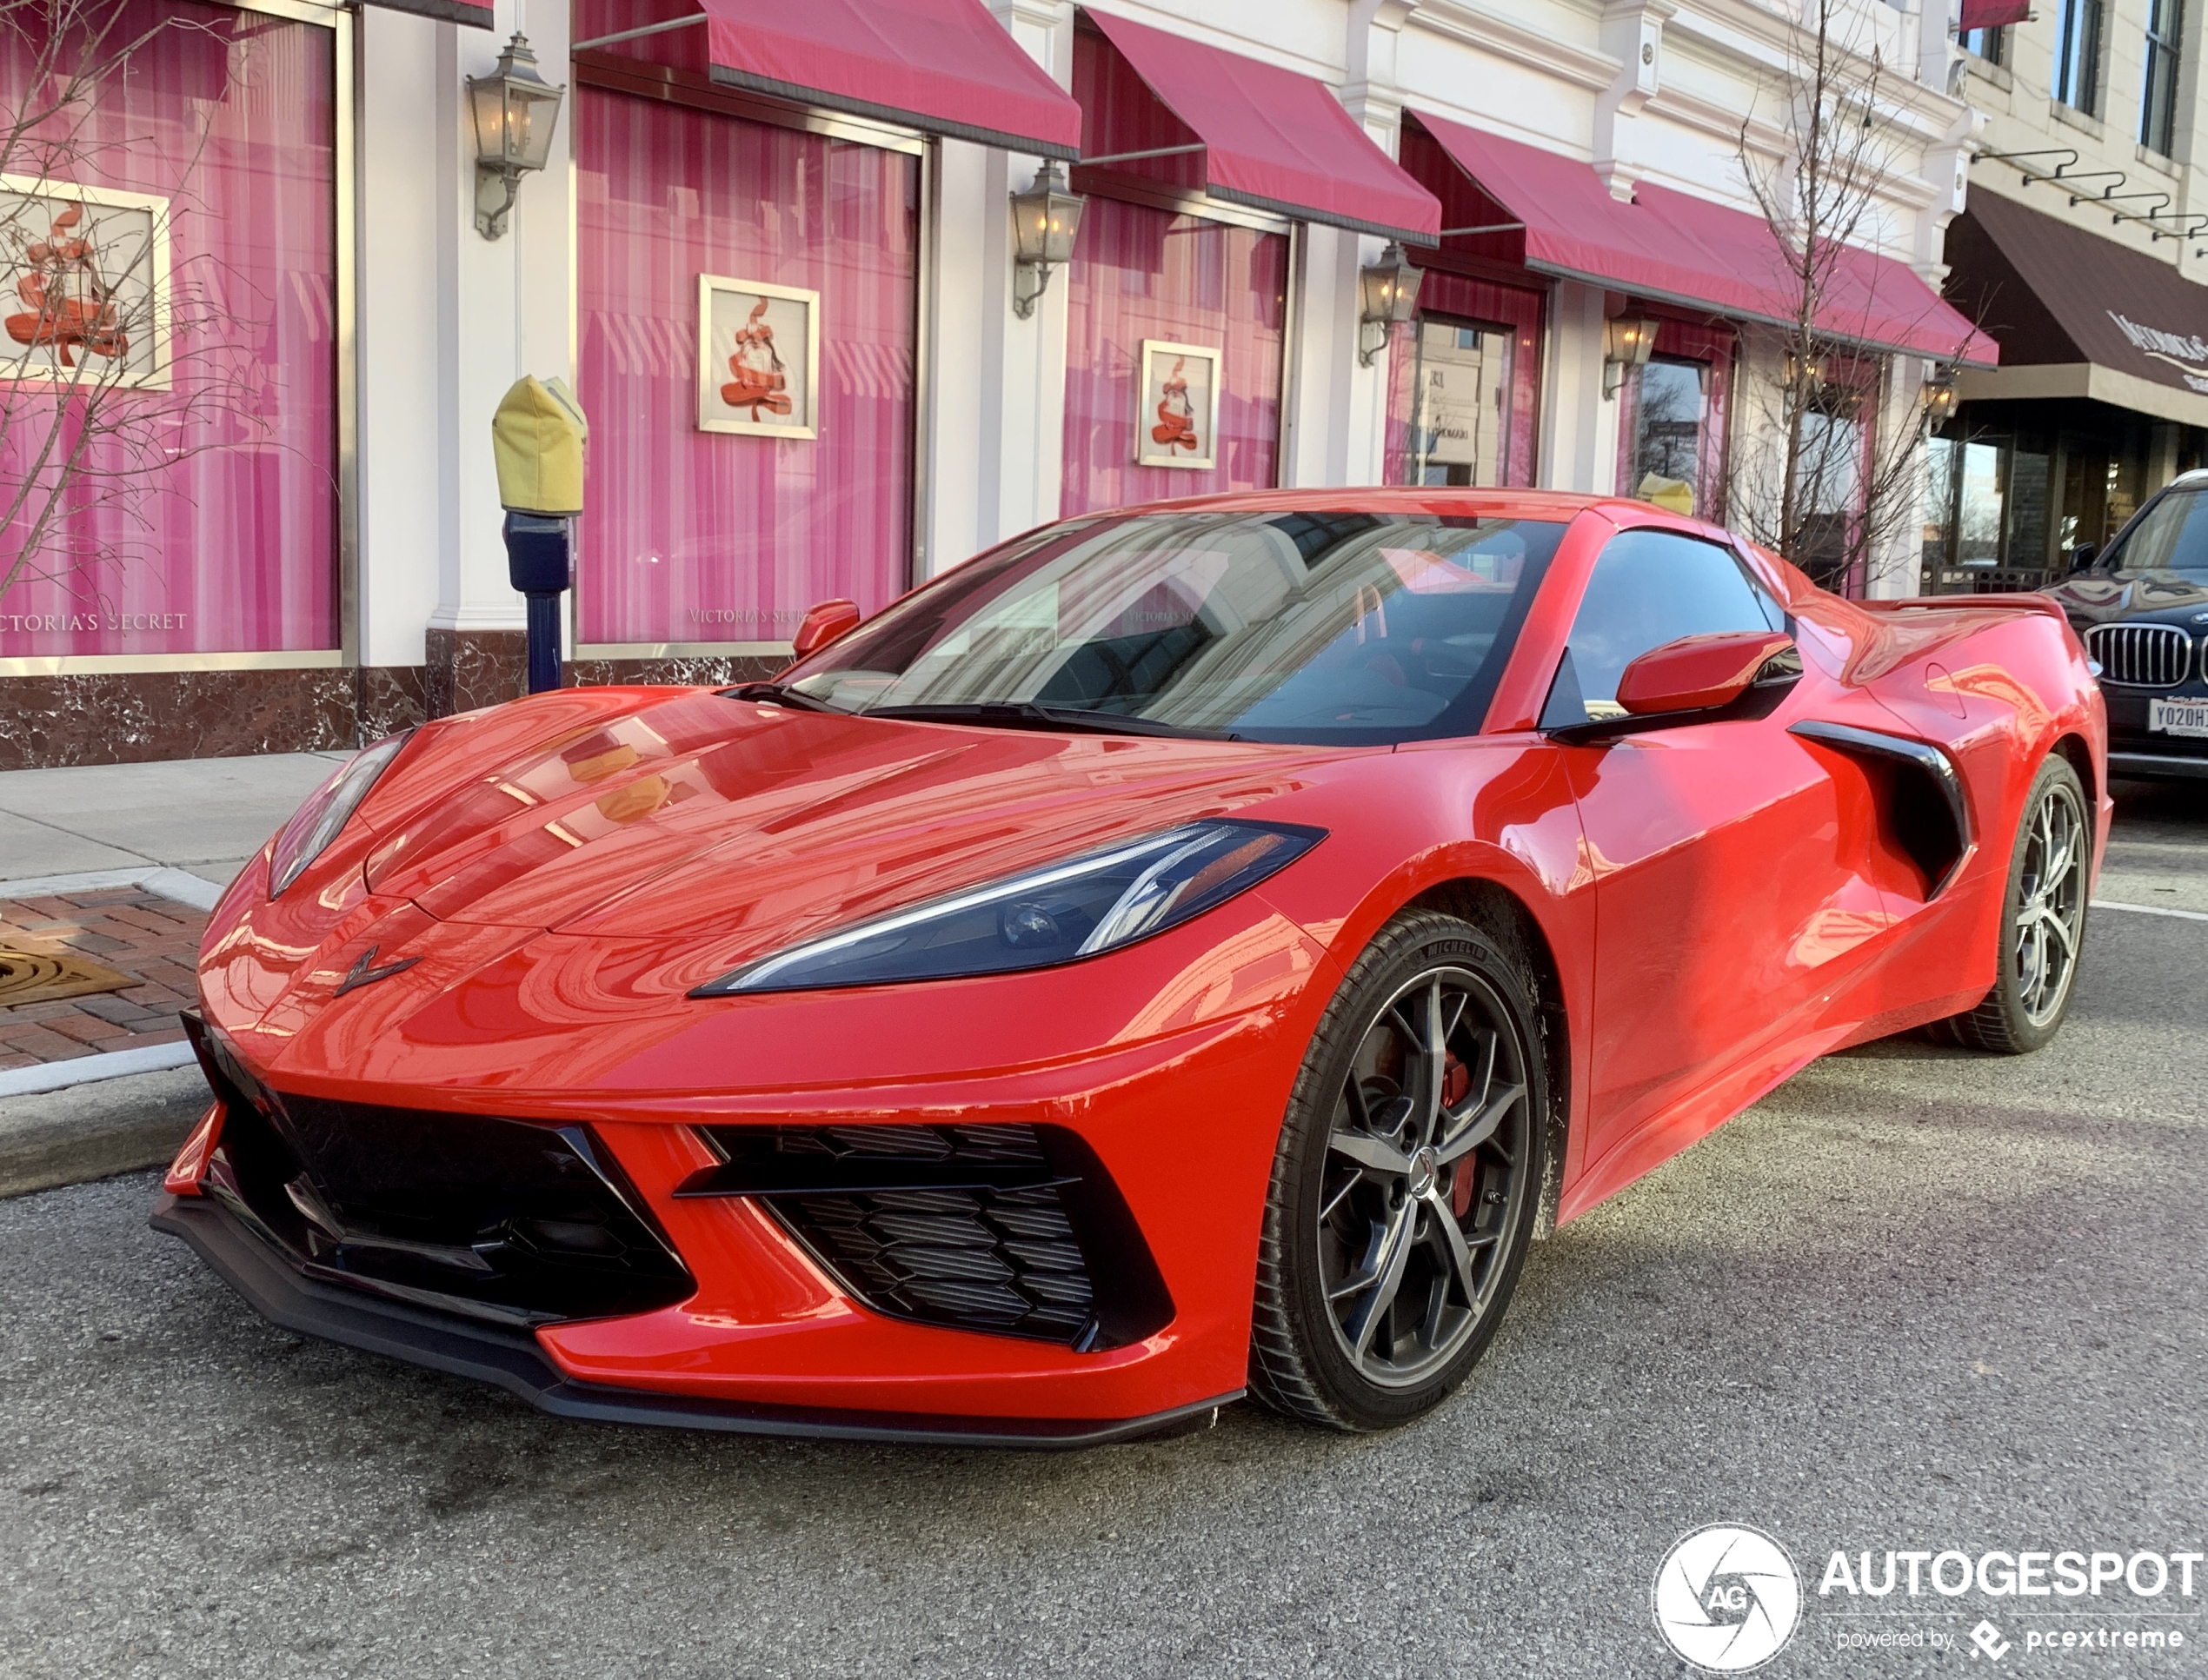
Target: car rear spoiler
point(2014, 602)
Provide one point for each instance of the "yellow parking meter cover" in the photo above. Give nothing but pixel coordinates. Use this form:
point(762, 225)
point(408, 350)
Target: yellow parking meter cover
point(537, 436)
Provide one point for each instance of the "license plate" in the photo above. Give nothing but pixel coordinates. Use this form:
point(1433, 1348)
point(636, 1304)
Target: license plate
point(2178, 717)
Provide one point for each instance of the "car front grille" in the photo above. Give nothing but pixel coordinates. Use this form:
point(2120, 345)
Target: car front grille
point(500, 1220)
point(1008, 1230)
point(2141, 655)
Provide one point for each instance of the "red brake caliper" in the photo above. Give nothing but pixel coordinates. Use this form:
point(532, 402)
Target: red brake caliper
point(1456, 1080)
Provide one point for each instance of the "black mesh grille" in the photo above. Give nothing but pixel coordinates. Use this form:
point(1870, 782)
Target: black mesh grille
point(1013, 1230)
point(501, 1219)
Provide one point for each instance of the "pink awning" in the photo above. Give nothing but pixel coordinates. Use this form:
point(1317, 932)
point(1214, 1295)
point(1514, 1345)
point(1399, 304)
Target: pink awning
point(940, 66)
point(1257, 135)
point(1671, 247)
point(1868, 299)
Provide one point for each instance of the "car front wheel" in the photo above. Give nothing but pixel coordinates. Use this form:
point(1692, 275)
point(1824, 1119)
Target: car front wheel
point(1406, 1181)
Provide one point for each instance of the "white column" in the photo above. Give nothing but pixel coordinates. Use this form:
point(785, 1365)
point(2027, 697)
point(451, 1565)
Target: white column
point(995, 413)
point(404, 246)
point(1344, 440)
point(1895, 568)
point(1332, 435)
point(509, 308)
point(1579, 425)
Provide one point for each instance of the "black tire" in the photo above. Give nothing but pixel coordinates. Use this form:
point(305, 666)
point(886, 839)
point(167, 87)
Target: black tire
point(2043, 921)
point(1470, 1165)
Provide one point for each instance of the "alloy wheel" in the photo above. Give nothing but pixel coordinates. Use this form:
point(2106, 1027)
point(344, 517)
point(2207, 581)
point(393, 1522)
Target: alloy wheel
point(1422, 1185)
point(2051, 904)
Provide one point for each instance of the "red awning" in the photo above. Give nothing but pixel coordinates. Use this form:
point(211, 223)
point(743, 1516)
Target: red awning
point(1869, 299)
point(1256, 135)
point(1992, 14)
point(940, 66)
point(1675, 248)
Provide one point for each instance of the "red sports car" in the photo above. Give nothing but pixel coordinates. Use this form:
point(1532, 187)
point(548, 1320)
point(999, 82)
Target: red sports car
point(1184, 952)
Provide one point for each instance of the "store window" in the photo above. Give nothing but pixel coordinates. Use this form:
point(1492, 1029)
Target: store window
point(727, 498)
point(1464, 386)
point(1989, 46)
point(1993, 512)
point(1175, 333)
point(166, 257)
point(1672, 421)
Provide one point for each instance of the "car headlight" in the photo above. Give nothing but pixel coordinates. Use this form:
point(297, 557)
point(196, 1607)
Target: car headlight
point(1081, 907)
point(316, 823)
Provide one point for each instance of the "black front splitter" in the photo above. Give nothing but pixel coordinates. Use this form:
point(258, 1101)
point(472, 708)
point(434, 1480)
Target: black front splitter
point(512, 1359)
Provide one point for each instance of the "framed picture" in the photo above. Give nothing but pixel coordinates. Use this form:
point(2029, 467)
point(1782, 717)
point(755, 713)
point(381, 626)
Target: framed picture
point(759, 358)
point(1176, 413)
point(83, 284)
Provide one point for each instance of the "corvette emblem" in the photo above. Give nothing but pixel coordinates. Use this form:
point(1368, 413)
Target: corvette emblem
point(363, 973)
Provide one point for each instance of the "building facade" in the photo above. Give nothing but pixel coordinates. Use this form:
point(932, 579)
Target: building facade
point(773, 253)
point(2084, 253)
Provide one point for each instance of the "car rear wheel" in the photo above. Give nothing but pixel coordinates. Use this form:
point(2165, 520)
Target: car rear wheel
point(2043, 921)
point(1407, 1180)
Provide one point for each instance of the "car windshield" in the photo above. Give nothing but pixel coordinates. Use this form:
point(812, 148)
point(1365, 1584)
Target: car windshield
point(2169, 543)
point(1341, 628)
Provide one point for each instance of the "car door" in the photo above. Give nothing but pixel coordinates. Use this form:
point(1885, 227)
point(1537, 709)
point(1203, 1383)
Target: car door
point(1725, 906)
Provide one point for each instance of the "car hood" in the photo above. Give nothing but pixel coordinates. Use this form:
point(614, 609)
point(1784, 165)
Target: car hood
point(2091, 600)
point(692, 814)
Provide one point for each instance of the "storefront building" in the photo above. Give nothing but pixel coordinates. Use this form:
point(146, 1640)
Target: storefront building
point(774, 255)
point(2075, 254)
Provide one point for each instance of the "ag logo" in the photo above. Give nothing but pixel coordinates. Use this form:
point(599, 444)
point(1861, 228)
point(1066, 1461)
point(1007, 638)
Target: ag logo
point(1727, 1599)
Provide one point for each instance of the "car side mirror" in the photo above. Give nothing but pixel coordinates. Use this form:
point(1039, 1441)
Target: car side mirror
point(1700, 673)
point(823, 624)
point(2082, 558)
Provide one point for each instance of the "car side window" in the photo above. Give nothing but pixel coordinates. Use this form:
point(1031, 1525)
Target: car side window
point(1649, 587)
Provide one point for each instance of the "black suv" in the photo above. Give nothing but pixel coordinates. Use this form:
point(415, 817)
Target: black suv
point(2141, 607)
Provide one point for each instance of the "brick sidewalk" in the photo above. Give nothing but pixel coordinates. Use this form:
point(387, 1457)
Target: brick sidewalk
point(153, 940)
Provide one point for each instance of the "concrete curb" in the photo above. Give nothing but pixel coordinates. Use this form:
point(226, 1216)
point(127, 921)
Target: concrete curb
point(96, 1130)
point(178, 884)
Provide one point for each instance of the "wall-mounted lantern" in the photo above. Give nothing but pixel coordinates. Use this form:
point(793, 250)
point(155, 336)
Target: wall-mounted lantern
point(1626, 343)
point(515, 111)
point(1046, 219)
point(1806, 373)
point(1938, 395)
point(1387, 295)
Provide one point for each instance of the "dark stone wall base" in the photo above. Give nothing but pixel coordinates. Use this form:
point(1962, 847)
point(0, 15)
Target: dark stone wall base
point(136, 717)
point(133, 717)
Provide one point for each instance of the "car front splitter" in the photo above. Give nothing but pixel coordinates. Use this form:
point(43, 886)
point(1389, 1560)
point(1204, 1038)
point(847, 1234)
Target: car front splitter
point(513, 1360)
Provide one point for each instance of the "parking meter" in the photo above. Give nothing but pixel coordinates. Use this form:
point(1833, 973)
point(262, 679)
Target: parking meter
point(537, 436)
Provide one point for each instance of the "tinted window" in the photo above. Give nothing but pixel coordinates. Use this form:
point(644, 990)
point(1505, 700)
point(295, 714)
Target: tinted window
point(1347, 629)
point(1650, 588)
point(2169, 543)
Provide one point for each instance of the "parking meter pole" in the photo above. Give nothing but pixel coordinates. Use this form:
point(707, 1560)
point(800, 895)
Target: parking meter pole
point(544, 643)
point(539, 563)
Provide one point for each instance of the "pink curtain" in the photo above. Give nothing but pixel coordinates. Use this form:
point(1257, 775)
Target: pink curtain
point(1484, 302)
point(1139, 273)
point(206, 520)
point(706, 536)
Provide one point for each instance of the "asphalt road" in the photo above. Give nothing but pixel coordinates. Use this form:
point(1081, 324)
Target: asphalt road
point(1917, 1299)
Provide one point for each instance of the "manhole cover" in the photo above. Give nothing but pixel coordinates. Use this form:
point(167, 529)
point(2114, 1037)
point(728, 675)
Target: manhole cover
point(43, 976)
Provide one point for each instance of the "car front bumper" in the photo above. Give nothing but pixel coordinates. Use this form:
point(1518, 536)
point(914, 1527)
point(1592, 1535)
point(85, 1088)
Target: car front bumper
point(513, 1360)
